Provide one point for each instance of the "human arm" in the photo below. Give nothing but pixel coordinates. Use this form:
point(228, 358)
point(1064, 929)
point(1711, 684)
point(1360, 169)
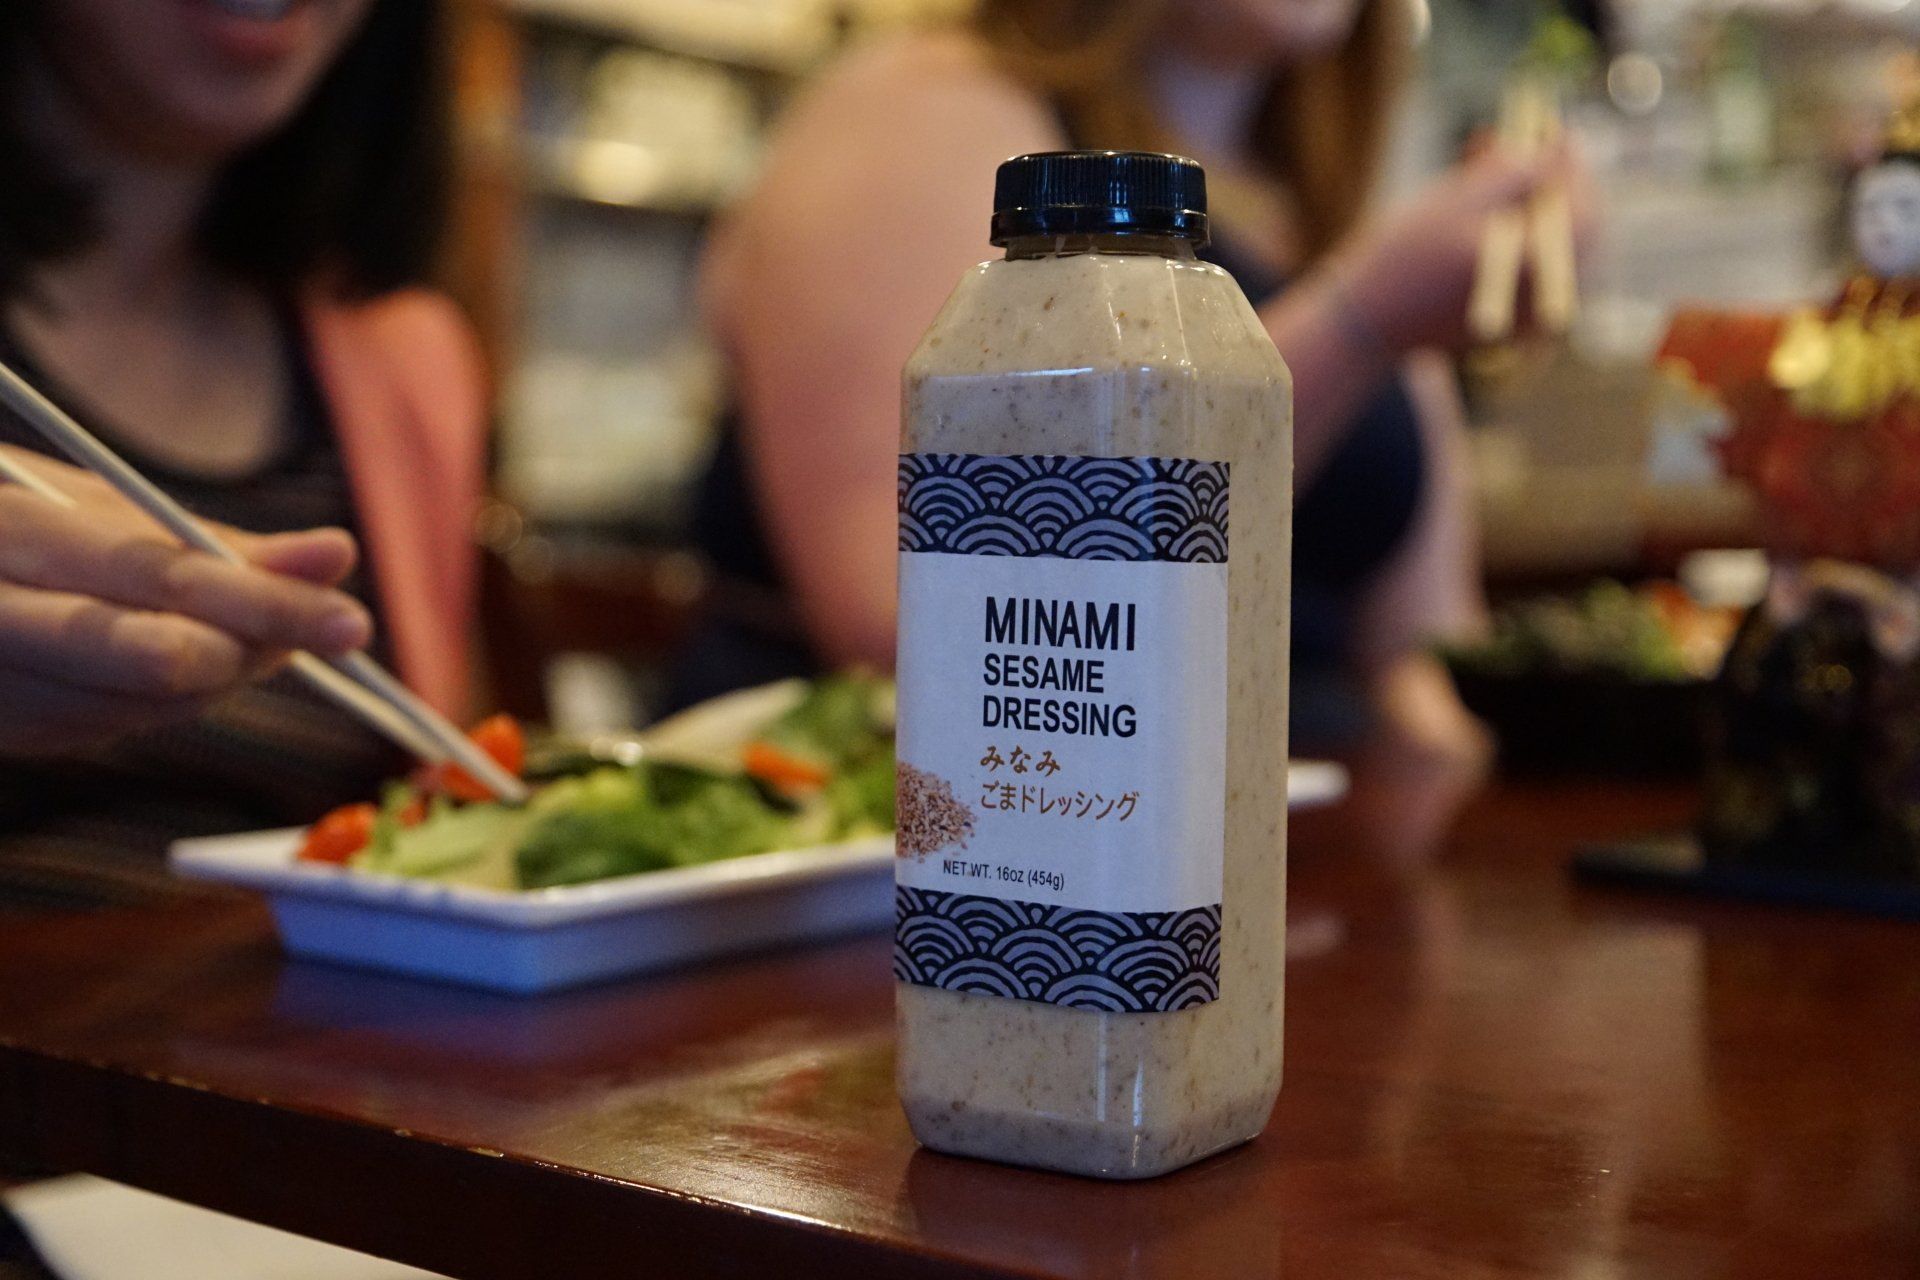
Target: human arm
point(822, 284)
point(1431, 590)
point(1396, 286)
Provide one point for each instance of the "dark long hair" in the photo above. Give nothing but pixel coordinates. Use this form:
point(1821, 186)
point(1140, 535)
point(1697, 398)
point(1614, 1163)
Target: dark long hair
point(1320, 133)
point(351, 193)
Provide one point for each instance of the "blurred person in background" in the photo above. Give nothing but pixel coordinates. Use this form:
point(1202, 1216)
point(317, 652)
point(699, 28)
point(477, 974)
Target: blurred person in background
point(874, 201)
point(215, 221)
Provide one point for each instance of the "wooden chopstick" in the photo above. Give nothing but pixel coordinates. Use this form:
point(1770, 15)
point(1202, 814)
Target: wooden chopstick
point(1496, 280)
point(1556, 287)
point(1550, 221)
point(403, 717)
point(1541, 236)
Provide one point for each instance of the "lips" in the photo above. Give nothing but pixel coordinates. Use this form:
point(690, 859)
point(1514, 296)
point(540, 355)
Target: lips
point(251, 33)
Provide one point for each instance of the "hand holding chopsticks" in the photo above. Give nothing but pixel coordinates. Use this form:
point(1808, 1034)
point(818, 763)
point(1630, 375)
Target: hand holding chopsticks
point(1540, 236)
point(352, 679)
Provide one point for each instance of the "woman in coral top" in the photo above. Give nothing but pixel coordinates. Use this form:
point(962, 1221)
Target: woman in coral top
point(213, 232)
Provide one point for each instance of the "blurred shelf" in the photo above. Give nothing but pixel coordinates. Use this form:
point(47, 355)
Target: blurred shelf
point(687, 210)
point(746, 35)
point(609, 174)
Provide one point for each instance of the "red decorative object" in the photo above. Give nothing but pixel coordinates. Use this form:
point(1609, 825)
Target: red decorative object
point(1845, 489)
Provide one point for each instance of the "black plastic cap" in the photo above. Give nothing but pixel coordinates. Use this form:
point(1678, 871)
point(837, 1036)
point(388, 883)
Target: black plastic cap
point(1066, 193)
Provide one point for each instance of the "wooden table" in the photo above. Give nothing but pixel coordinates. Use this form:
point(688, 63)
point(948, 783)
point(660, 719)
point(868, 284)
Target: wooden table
point(1491, 1072)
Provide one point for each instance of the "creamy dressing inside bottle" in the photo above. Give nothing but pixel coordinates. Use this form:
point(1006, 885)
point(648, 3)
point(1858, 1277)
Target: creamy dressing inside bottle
point(1093, 687)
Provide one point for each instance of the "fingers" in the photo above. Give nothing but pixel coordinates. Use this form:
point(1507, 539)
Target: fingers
point(107, 626)
point(325, 556)
point(63, 477)
point(1494, 176)
point(57, 549)
point(322, 556)
point(1505, 178)
point(1559, 165)
point(82, 641)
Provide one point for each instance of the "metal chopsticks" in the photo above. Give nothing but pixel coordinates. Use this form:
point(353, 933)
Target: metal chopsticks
point(353, 680)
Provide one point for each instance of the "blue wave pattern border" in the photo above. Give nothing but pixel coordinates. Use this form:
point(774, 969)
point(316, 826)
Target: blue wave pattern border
point(1072, 508)
point(1112, 962)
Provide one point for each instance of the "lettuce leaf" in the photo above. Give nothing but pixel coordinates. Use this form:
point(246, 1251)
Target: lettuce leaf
point(840, 721)
point(473, 842)
point(620, 821)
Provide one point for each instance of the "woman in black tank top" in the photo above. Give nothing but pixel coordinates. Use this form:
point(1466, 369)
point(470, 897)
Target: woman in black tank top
point(270, 754)
point(173, 185)
point(1348, 524)
point(871, 205)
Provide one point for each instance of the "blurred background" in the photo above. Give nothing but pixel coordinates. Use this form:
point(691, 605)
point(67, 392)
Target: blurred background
point(600, 138)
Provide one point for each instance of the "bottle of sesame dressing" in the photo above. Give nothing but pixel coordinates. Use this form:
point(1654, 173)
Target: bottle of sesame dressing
point(1093, 686)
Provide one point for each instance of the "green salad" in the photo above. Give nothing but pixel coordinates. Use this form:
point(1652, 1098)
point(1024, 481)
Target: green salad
point(1647, 634)
point(818, 771)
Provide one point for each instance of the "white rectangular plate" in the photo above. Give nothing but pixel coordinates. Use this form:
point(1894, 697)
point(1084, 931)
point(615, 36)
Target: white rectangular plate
point(549, 939)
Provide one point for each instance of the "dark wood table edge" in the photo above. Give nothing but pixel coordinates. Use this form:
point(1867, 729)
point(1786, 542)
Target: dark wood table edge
point(354, 1180)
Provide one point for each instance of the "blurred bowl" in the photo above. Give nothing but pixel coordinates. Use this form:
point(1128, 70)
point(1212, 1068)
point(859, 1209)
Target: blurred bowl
point(1590, 722)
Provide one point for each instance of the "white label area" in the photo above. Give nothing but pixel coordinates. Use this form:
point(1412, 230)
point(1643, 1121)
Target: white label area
point(1065, 721)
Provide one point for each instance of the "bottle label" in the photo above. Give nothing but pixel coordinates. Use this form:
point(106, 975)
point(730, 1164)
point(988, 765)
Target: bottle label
point(1062, 739)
